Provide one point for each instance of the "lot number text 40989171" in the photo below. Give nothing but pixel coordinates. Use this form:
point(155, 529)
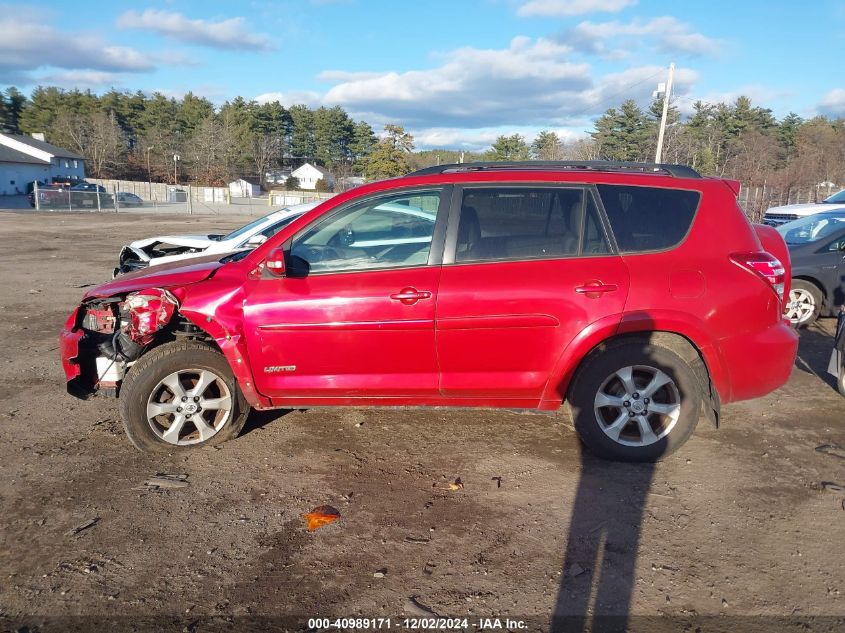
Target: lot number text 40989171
point(431, 624)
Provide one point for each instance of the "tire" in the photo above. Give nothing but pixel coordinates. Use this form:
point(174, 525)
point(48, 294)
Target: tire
point(601, 406)
point(840, 383)
point(805, 303)
point(166, 379)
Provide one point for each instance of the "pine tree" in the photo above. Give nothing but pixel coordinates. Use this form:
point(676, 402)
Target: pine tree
point(547, 146)
point(390, 156)
point(623, 134)
point(509, 148)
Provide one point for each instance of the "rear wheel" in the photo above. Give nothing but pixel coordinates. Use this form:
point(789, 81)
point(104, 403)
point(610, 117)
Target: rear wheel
point(841, 382)
point(634, 401)
point(805, 303)
point(181, 395)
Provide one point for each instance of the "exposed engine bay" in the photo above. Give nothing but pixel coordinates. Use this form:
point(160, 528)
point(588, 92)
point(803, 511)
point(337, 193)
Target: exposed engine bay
point(132, 258)
point(115, 333)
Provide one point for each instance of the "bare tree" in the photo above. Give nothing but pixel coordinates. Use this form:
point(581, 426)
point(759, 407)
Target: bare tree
point(97, 136)
point(266, 149)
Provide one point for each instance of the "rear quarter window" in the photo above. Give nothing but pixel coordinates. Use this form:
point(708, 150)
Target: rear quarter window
point(648, 218)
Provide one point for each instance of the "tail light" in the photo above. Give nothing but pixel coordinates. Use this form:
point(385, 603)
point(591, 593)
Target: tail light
point(765, 266)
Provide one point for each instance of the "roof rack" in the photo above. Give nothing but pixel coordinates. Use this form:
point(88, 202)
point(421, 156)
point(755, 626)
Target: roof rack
point(677, 171)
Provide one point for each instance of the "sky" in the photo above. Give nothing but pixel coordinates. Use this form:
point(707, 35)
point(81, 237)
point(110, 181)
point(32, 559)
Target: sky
point(455, 73)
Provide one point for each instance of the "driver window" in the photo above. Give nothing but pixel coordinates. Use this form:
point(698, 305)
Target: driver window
point(388, 232)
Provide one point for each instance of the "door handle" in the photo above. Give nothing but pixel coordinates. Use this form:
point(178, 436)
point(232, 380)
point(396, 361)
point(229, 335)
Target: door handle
point(595, 288)
point(410, 296)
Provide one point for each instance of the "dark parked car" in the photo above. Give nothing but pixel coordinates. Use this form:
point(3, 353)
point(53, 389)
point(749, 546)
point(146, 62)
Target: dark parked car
point(85, 195)
point(817, 248)
point(126, 199)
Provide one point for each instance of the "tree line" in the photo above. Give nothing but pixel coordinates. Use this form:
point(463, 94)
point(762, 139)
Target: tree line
point(134, 136)
point(730, 140)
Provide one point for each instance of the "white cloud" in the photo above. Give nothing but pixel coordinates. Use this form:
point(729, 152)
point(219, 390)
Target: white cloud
point(82, 79)
point(27, 43)
point(529, 80)
point(287, 99)
point(758, 93)
point(637, 84)
point(615, 38)
point(572, 7)
point(833, 103)
point(231, 34)
point(474, 95)
point(481, 139)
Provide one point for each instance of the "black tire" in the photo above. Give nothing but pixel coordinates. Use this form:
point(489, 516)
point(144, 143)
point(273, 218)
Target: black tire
point(816, 295)
point(600, 367)
point(840, 383)
point(145, 376)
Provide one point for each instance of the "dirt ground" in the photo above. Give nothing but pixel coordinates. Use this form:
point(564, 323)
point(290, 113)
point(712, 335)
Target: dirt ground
point(735, 530)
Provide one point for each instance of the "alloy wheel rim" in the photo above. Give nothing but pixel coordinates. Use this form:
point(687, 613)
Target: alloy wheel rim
point(189, 406)
point(637, 405)
point(801, 306)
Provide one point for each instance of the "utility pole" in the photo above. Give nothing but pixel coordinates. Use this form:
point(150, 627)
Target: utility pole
point(149, 173)
point(176, 157)
point(658, 155)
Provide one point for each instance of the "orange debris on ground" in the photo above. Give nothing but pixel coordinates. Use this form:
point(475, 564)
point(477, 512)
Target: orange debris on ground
point(320, 516)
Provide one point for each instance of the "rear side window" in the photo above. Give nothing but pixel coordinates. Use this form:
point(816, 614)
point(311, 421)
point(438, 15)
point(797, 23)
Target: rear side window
point(521, 223)
point(648, 218)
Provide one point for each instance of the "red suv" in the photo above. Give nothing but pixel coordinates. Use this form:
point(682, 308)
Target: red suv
point(637, 293)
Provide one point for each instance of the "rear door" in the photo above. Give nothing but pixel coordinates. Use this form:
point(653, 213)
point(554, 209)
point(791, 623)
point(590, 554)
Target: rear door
point(526, 268)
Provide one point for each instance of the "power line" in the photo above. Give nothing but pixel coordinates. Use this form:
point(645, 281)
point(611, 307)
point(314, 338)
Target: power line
point(624, 90)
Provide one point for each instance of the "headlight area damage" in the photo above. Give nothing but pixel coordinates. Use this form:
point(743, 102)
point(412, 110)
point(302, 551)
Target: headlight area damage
point(110, 334)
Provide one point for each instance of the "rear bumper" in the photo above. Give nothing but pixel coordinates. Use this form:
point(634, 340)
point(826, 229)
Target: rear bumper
point(759, 363)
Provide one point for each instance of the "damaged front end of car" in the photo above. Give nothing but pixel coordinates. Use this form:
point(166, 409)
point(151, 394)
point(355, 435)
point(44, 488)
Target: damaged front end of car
point(104, 337)
point(135, 257)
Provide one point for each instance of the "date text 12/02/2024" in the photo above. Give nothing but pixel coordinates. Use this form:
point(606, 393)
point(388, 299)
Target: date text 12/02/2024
point(422, 624)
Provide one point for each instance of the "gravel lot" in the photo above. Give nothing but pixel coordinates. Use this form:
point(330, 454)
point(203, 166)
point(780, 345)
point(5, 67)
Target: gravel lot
point(737, 524)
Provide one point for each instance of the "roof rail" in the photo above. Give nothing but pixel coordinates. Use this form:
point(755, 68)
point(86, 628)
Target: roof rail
point(677, 171)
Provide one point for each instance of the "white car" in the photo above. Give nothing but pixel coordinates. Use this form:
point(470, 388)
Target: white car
point(171, 248)
point(787, 213)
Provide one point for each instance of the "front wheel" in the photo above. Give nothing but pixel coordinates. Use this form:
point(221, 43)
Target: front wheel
point(634, 401)
point(181, 395)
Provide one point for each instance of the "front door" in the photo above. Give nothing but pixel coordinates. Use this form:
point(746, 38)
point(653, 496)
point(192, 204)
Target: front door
point(360, 323)
point(526, 270)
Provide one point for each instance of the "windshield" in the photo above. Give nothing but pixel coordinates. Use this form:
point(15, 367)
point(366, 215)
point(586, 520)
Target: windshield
point(811, 228)
point(837, 198)
point(245, 229)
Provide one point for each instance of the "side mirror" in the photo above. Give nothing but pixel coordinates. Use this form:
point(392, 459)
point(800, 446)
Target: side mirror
point(256, 240)
point(841, 247)
point(275, 262)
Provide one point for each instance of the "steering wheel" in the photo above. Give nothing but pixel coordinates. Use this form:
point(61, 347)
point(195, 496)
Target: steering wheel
point(318, 253)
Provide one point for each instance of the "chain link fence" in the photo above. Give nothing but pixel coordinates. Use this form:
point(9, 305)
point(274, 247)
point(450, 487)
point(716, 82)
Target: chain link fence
point(117, 196)
point(756, 200)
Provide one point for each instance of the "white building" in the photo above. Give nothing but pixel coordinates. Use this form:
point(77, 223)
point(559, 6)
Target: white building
point(309, 174)
point(24, 159)
point(245, 188)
